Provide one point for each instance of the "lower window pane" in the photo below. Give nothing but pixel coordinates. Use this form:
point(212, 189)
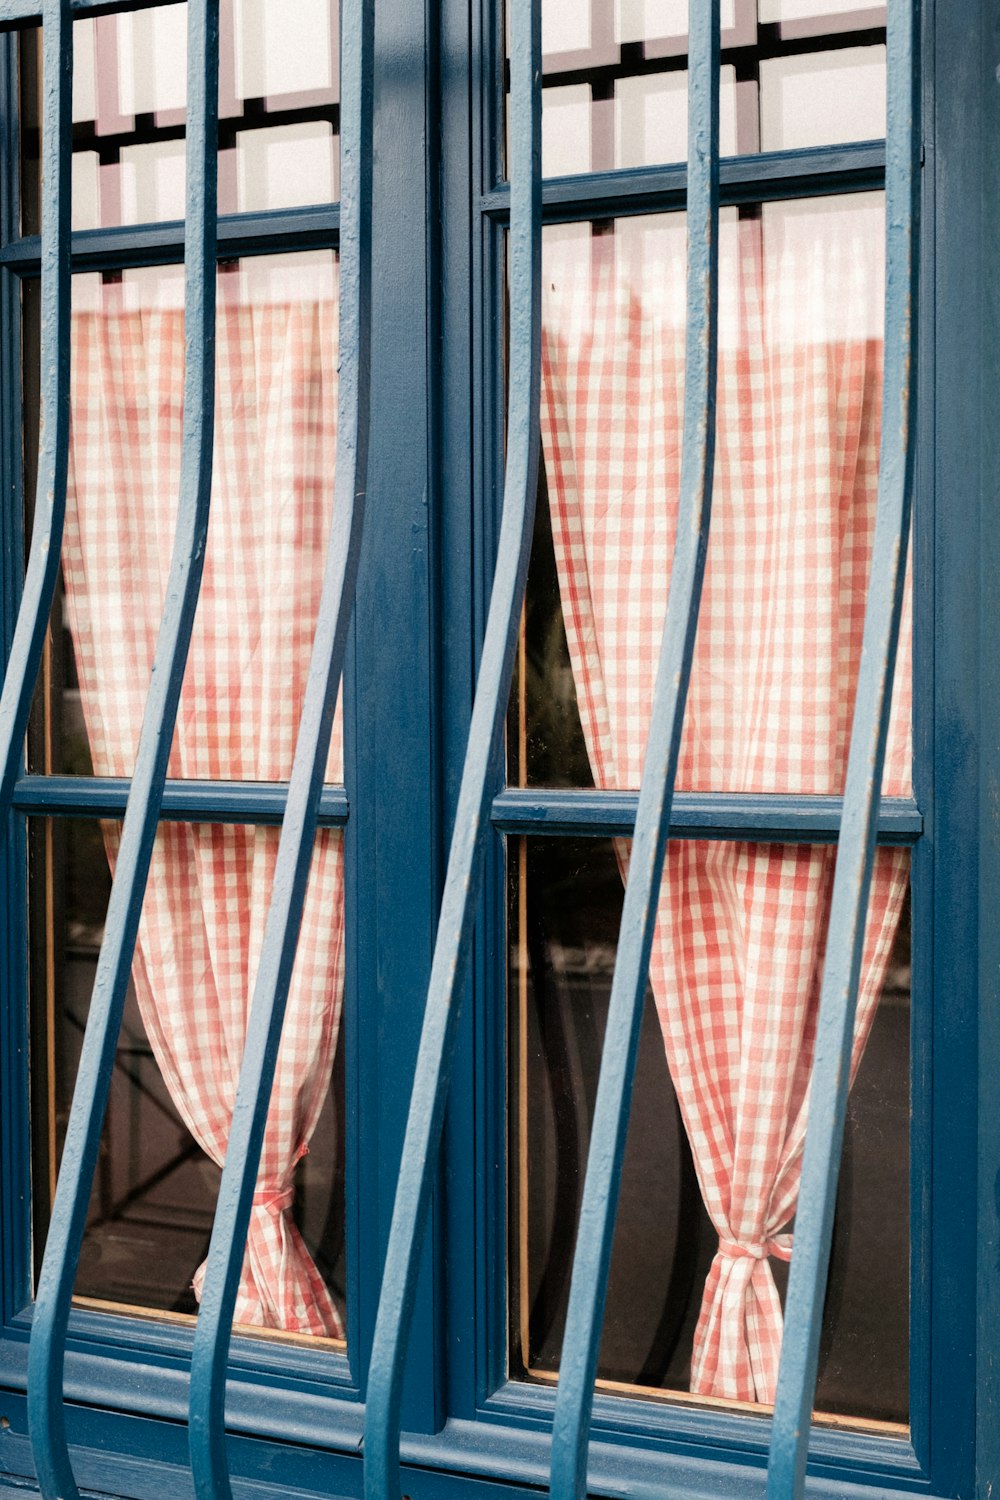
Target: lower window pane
point(176, 1068)
point(748, 924)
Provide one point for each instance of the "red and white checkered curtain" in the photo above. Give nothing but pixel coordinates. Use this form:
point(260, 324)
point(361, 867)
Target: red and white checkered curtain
point(738, 953)
point(209, 884)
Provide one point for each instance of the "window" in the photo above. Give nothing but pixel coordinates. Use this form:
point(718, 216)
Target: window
point(907, 1394)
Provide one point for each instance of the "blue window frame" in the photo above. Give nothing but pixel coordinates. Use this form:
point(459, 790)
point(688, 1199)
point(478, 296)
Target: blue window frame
point(440, 209)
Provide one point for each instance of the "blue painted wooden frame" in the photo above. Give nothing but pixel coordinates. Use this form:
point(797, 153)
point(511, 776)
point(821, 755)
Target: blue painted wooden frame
point(472, 832)
point(496, 1429)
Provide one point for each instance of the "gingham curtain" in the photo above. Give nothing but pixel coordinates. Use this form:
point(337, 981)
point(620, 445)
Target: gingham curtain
point(738, 952)
point(209, 885)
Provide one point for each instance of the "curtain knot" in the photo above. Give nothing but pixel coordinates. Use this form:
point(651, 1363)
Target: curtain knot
point(780, 1246)
point(274, 1200)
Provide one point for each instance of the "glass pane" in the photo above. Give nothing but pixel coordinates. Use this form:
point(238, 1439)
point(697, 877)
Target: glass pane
point(795, 491)
point(275, 443)
point(565, 908)
point(278, 107)
point(822, 98)
point(794, 73)
point(176, 1068)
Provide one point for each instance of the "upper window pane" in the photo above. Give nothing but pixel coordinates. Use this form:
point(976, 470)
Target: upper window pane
point(272, 493)
point(278, 111)
point(795, 489)
point(795, 73)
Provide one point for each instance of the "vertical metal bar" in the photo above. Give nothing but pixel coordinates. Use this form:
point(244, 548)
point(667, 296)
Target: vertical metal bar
point(46, 1355)
point(472, 829)
point(588, 1289)
point(53, 450)
point(862, 791)
point(246, 1133)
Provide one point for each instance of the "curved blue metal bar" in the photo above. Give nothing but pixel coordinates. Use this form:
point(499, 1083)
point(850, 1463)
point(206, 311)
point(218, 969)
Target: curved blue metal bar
point(472, 830)
point(53, 449)
point(246, 1134)
point(46, 1356)
point(862, 791)
point(588, 1289)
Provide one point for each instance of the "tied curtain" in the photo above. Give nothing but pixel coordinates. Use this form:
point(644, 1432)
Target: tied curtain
point(209, 884)
point(738, 951)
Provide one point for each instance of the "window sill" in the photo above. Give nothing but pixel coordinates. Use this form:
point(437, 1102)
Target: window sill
point(145, 1460)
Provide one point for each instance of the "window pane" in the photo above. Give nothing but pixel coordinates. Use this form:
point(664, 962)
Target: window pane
point(279, 93)
point(822, 98)
point(177, 1064)
point(565, 909)
point(275, 442)
point(795, 490)
point(794, 73)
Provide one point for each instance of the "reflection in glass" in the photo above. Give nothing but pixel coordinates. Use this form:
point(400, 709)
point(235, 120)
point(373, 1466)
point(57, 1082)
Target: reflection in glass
point(795, 490)
point(644, 122)
point(565, 908)
point(278, 109)
point(822, 98)
point(275, 450)
point(794, 73)
point(175, 1069)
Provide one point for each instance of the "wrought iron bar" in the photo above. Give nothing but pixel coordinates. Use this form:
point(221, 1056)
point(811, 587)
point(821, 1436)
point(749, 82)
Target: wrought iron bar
point(46, 1357)
point(246, 1134)
point(473, 828)
point(588, 1289)
point(863, 785)
point(53, 446)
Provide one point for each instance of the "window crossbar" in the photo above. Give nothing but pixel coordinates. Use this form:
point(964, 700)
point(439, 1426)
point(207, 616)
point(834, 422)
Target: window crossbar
point(184, 801)
point(763, 817)
point(29, 12)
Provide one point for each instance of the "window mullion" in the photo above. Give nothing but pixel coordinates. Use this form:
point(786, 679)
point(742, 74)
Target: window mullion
point(472, 834)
